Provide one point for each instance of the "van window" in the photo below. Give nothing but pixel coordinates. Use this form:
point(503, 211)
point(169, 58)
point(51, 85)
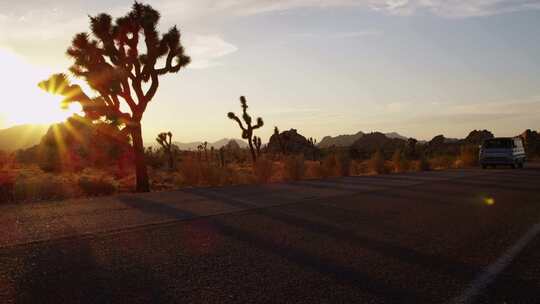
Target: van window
point(498, 143)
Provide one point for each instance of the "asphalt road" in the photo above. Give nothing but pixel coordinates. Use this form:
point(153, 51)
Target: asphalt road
point(459, 236)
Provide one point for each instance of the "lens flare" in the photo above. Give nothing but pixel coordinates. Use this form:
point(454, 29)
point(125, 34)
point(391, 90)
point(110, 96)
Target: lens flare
point(489, 201)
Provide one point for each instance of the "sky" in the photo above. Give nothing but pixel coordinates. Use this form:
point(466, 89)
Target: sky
point(324, 67)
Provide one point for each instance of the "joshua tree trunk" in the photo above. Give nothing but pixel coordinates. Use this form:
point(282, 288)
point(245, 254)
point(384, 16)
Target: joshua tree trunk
point(171, 160)
point(253, 155)
point(140, 164)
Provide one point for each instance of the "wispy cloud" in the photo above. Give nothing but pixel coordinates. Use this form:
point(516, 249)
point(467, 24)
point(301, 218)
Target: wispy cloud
point(444, 8)
point(42, 38)
point(338, 35)
point(206, 50)
point(453, 8)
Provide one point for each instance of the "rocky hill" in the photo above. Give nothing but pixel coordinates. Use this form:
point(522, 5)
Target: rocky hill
point(368, 144)
point(348, 140)
point(291, 142)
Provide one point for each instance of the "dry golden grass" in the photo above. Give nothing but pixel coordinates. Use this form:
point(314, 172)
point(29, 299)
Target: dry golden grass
point(295, 168)
point(263, 170)
point(376, 163)
point(27, 183)
point(468, 157)
point(442, 162)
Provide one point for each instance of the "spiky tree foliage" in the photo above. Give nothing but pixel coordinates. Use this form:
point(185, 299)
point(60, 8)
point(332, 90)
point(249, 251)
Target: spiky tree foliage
point(165, 141)
point(248, 128)
point(205, 148)
point(119, 61)
point(258, 143)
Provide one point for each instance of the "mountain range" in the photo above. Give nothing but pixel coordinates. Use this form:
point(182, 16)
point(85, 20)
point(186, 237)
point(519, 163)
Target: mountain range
point(217, 144)
point(21, 137)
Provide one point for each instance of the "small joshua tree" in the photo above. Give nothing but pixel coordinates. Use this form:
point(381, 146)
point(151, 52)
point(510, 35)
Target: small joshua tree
point(165, 141)
point(276, 133)
point(122, 61)
point(258, 143)
point(205, 148)
point(200, 148)
point(222, 157)
point(247, 130)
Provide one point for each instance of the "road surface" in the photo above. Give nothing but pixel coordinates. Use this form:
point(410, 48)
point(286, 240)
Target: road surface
point(459, 236)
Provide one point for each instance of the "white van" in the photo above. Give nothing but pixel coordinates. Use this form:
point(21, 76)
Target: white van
point(502, 151)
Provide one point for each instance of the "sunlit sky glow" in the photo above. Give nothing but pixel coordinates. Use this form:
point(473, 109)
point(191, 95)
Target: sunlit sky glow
point(324, 67)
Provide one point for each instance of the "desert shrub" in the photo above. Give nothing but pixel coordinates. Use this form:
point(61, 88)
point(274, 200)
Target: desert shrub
point(43, 187)
point(294, 167)
point(423, 164)
point(468, 156)
point(328, 166)
point(442, 162)
point(4, 159)
point(49, 161)
point(7, 185)
point(399, 162)
point(359, 167)
point(376, 163)
point(154, 158)
point(189, 169)
point(343, 162)
point(210, 175)
point(263, 170)
point(93, 186)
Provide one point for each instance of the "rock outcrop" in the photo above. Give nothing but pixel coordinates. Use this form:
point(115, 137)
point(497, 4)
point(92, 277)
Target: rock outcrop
point(291, 142)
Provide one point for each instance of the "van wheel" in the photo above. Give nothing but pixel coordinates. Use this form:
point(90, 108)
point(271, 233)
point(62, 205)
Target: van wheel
point(484, 167)
point(513, 166)
point(521, 165)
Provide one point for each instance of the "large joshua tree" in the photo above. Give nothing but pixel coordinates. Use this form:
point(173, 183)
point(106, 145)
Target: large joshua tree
point(122, 61)
point(248, 128)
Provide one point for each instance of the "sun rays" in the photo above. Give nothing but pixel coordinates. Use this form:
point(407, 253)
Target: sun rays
point(23, 102)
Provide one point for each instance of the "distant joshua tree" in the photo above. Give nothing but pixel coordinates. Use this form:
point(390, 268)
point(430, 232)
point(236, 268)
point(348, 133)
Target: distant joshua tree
point(165, 141)
point(119, 62)
point(247, 130)
point(258, 143)
point(276, 133)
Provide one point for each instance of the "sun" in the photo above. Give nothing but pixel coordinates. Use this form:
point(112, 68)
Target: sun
point(22, 101)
